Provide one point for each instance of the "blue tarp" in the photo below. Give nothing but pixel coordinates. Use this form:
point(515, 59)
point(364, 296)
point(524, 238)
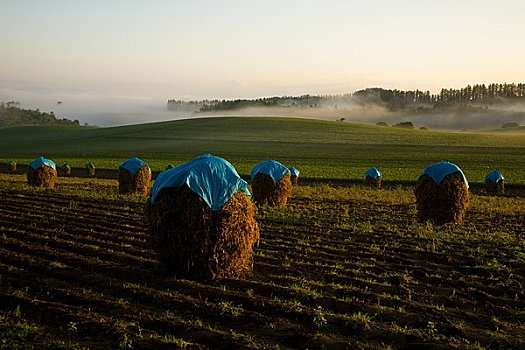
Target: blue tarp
point(373, 173)
point(494, 176)
point(133, 165)
point(212, 178)
point(294, 171)
point(37, 163)
point(272, 168)
point(438, 171)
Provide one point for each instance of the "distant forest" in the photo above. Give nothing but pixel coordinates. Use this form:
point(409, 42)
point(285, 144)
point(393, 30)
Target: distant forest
point(394, 100)
point(12, 115)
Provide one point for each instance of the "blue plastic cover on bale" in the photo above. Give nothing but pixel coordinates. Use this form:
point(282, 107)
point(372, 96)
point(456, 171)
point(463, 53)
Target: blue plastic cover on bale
point(37, 163)
point(214, 179)
point(294, 171)
point(272, 168)
point(494, 176)
point(438, 171)
point(373, 173)
point(133, 165)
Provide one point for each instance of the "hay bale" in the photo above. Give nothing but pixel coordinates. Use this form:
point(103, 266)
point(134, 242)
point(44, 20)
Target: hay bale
point(169, 166)
point(196, 242)
point(275, 194)
point(65, 169)
point(495, 188)
point(138, 183)
point(90, 169)
point(373, 178)
point(294, 172)
point(44, 176)
point(495, 182)
point(443, 203)
point(11, 166)
point(371, 182)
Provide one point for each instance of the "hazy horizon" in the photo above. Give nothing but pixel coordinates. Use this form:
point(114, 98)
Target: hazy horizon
point(120, 61)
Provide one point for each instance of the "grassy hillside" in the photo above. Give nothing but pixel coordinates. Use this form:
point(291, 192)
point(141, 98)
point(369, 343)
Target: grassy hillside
point(320, 149)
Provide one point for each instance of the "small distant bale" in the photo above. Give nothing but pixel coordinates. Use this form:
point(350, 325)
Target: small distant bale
point(405, 125)
point(442, 194)
point(90, 169)
point(11, 166)
point(65, 169)
point(373, 178)
point(169, 166)
point(134, 177)
point(42, 173)
point(294, 175)
point(495, 183)
point(201, 220)
point(271, 183)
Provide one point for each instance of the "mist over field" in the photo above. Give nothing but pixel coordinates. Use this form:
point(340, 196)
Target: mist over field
point(373, 114)
point(91, 106)
point(106, 108)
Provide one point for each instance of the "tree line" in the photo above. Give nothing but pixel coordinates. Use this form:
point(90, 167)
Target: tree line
point(12, 115)
point(392, 99)
point(224, 105)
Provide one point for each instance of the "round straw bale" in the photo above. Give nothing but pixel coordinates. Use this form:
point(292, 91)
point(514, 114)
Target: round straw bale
point(196, 242)
point(495, 188)
point(446, 203)
point(65, 169)
point(371, 182)
point(276, 194)
point(138, 183)
point(90, 169)
point(44, 176)
point(11, 166)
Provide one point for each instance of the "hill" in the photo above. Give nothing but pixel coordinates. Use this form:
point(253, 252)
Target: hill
point(12, 115)
point(476, 107)
point(320, 149)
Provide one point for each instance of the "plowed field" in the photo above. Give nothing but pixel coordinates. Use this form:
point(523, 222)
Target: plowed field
point(338, 268)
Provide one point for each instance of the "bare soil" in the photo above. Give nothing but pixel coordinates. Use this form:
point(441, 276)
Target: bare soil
point(79, 273)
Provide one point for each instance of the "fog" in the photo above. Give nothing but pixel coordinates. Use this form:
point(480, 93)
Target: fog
point(372, 114)
point(109, 109)
point(93, 107)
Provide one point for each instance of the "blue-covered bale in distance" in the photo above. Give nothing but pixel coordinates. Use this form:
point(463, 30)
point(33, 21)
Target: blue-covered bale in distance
point(42, 173)
point(271, 183)
point(11, 166)
point(495, 182)
point(201, 220)
point(90, 169)
point(373, 178)
point(442, 194)
point(134, 177)
point(65, 169)
point(294, 175)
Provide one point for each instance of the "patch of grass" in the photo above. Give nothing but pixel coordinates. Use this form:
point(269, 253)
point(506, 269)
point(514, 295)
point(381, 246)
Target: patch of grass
point(358, 320)
point(15, 330)
point(175, 341)
point(228, 308)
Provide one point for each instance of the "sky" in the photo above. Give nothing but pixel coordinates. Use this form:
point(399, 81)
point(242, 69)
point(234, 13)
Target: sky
point(132, 55)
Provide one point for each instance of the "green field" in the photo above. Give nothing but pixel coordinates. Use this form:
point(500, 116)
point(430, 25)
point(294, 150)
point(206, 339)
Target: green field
point(339, 267)
point(320, 149)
